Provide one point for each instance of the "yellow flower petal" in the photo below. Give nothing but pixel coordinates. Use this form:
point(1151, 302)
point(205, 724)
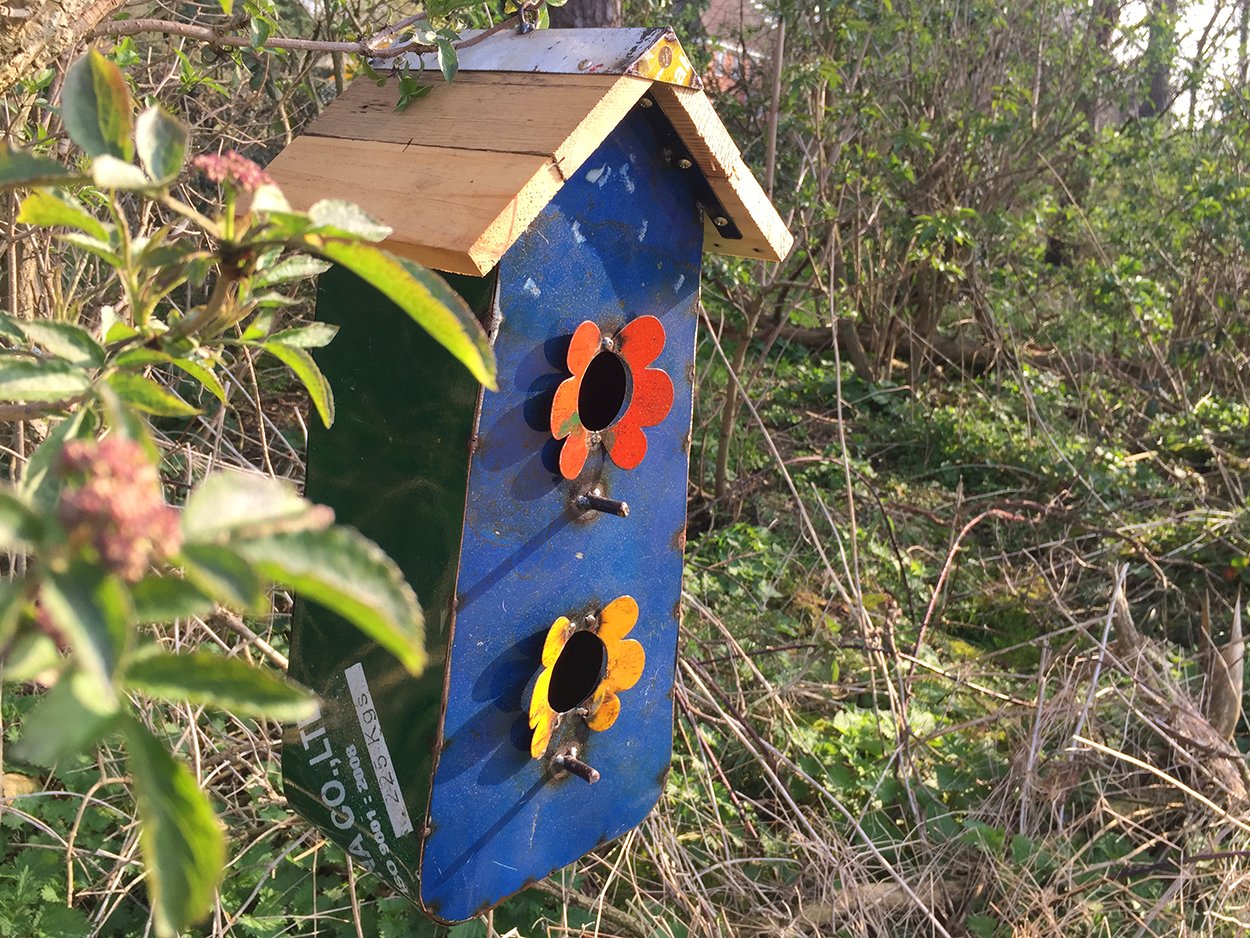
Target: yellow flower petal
point(556, 638)
point(542, 734)
point(606, 713)
point(538, 702)
point(618, 617)
point(626, 660)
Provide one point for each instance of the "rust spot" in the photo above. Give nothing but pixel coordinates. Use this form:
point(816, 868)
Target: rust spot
point(679, 539)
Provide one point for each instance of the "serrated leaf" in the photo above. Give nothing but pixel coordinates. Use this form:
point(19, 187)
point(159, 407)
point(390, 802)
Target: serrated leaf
point(180, 839)
point(448, 61)
point(224, 575)
point(64, 340)
point(93, 610)
point(146, 396)
point(228, 506)
point(209, 680)
point(27, 379)
point(347, 573)
point(108, 172)
point(421, 294)
point(31, 656)
point(38, 485)
point(293, 268)
point(317, 335)
point(20, 527)
point(160, 599)
point(12, 600)
point(20, 168)
point(96, 107)
point(302, 364)
point(335, 217)
point(269, 198)
point(52, 208)
point(161, 142)
point(102, 249)
point(69, 720)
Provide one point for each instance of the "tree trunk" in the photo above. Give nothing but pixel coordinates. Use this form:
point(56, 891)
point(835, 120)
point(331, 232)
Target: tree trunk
point(33, 36)
point(581, 13)
point(1160, 52)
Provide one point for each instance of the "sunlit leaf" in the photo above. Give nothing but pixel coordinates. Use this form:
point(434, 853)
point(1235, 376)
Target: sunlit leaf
point(20, 527)
point(210, 680)
point(300, 362)
point(108, 172)
point(96, 107)
point(52, 208)
point(20, 168)
point(161, 141)
point(64, 340)
point(336, 217)
point(231, 505)
point(72, 718)
point(145, 395)
point(224, 575)
point(27, 379)
point(317, 335)
point(166, 598)
point(92, 609)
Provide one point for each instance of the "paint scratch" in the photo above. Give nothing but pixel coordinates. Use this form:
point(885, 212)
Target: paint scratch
point(642, 232)
point(629, 184)
point(600, 176)
point(577, 233)
point(532, 288)
point(680, 281)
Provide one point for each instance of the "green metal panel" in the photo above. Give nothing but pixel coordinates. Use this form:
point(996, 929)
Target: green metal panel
point(394, 466)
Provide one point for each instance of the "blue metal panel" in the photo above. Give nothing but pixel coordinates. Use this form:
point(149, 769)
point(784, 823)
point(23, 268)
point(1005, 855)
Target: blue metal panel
point(622, 239)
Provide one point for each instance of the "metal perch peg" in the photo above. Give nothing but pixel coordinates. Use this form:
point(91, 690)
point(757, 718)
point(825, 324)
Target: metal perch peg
point(593, 501)
point(568, 762)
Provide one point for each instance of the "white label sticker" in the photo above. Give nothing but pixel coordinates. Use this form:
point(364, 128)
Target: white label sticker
point(379, 755)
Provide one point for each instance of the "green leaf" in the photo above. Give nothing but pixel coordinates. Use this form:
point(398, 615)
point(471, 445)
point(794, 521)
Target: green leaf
point(410, 90)
point(230, 684)
point(93, 610)
point(224, 575)
point(228, 506)
point(227, 6)
point(12, 600)
point(52, 208)
point(26, 379)
point(20, 527)
point(421, 294)
point(161, 140)
point(160, 599)
point(72, 718)
point(145, 395)
point(334, 217)
point(200, 372)
point(108, 172)
point(182, 844)
point(300, 362)
point(448, 61)
point(300, 267)
point(96, 107)
point(347, 573)
point(64, 340)
point(102, 249)
point(20, 168)
point(31, 655)
point(38, 485)
point(318, 335)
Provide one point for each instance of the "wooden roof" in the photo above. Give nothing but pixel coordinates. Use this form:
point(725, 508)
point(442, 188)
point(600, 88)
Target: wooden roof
point(461, 172)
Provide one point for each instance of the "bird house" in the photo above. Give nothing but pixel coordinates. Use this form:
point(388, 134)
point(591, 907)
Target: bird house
point(568, 182)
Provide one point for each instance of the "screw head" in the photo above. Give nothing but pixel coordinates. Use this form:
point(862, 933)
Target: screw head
point(684, 164)
point(645, 102)
point(583, 65)
point(720, 221)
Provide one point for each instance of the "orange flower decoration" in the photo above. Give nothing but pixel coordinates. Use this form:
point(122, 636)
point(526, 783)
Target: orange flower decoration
point(584, 669)
point(612, 394)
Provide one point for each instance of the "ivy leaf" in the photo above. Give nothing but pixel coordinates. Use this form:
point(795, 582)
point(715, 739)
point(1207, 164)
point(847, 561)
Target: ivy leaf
point(421, 294)
point(93, 609)
point(300, 362)
point(347, 573)
point(145, 395)
point(161, 140)
point(97, 109)
point(184, 850)
point(25, 379)
point(228, 506)
point(230, 684)
point(70, 719)
point(224, 575)
point(20, 168)
point(52, 208)
point(20, 527)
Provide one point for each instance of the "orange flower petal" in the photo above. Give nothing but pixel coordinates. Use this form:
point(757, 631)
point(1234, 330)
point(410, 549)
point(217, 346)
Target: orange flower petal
point(626, 444)
point(642, 341)
point(539, 705)
point(617, 618)
point(652, 398)
point(573, 455)
point(557, 635)
point(605, 715)
point(585, 345)
point(626, 660)
point(542, 735)
point(564, 418)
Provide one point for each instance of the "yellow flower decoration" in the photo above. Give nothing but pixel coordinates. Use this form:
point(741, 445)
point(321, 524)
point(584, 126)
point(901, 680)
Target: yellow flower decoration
point(573, 661)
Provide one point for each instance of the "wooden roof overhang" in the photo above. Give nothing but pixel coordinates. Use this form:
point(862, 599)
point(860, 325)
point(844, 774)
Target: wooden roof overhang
point(461, 172)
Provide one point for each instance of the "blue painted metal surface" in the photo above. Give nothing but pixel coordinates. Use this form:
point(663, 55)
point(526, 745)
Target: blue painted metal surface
point(622, 239)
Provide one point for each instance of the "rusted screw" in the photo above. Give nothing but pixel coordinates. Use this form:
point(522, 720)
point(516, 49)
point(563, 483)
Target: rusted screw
point(568, 762)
